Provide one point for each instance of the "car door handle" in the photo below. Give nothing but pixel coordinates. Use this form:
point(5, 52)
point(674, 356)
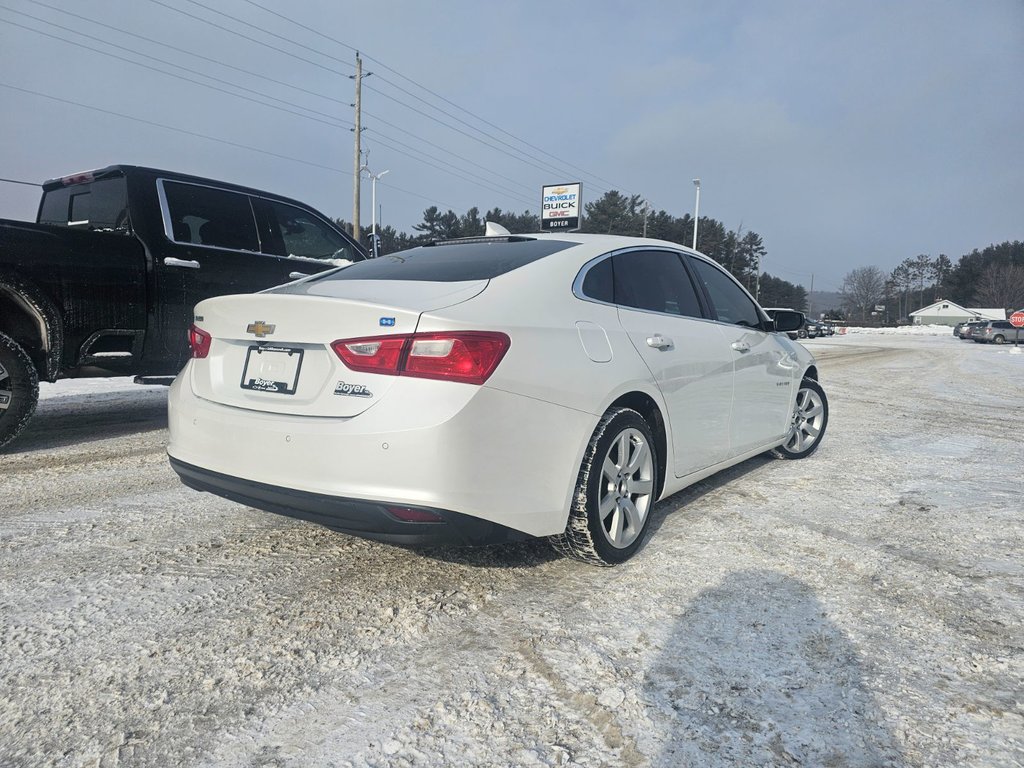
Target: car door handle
point(170, 261)
point(741, 346)
point(659, 342)
point(296, 275)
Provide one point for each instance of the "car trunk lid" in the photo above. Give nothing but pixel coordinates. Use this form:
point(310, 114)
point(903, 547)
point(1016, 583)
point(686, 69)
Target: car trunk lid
point(272, 351)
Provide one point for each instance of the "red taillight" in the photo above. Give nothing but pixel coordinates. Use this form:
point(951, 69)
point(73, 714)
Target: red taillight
point(375, 354)
point(465, 356)
point(199, 340)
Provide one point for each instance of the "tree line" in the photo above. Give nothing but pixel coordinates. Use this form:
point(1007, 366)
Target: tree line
point(991, 278)
point(739, 251)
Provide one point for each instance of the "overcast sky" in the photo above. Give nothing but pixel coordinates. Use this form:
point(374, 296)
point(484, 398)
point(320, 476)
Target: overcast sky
point(846, 134)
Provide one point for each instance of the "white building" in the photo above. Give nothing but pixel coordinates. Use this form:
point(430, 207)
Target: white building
point(945, 312)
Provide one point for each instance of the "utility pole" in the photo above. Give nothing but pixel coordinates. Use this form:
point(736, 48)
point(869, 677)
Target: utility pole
point(696, 213)
point(647, 209)
point(357, 173)
point(809, 305)
point(757, 283)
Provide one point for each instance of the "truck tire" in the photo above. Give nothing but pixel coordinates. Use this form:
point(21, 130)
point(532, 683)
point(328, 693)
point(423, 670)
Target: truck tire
point(19, 389)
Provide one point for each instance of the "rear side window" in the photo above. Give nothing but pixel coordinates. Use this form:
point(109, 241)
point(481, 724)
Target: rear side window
point(599, 282)
point(656, 281)
point(730, 302)
point(98, 205)
point(207, 216)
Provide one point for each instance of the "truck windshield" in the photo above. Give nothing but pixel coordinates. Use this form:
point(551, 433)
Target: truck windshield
point(97, 205)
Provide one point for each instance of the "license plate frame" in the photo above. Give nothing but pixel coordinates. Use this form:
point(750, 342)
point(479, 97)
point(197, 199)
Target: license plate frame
point(272, 369)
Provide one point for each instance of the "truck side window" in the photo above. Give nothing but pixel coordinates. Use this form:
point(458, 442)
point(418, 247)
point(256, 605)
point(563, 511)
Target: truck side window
point(206, 216)
point(292, 231)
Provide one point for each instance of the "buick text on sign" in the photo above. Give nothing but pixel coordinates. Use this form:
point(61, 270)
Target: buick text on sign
point(560, 207)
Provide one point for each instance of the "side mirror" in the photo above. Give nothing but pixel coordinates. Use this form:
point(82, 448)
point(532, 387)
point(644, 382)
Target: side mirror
point(787, 319)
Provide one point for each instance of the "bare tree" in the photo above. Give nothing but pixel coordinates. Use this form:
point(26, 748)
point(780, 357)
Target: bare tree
point(862, 288)
point(1001, 286)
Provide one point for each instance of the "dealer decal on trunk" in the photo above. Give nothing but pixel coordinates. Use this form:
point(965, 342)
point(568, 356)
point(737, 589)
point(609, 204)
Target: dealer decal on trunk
point(352, 390)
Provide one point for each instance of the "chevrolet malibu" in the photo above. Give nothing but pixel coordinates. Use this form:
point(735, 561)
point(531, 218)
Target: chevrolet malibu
point(491, 389)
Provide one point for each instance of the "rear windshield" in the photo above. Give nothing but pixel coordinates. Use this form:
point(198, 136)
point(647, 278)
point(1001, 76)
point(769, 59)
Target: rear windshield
point(97, 205)
point(451, 263)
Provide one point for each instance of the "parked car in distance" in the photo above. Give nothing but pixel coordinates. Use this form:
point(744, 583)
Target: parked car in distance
point(815, 328)
point(995, 332)
point(482, 391)
point(967, 329)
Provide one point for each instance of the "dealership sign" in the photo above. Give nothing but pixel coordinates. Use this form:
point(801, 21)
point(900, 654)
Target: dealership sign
point(560, 207)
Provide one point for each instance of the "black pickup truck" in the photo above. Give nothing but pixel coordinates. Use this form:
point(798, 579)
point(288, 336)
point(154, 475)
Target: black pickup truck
point(104, 283)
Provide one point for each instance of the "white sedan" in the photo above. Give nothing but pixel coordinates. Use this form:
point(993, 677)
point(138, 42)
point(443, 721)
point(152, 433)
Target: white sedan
point(491, 389)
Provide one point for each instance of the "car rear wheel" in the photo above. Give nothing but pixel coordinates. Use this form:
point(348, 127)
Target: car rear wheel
point(615, 492)
point(998, 339)
point(809, 420)
point(19, 389)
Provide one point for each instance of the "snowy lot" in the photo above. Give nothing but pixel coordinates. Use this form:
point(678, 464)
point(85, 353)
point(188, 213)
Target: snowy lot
point(862, 607)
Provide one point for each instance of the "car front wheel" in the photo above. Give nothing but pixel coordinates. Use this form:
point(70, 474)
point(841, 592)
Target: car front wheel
point(19, 389)
point(808, 422)
point(615, 492)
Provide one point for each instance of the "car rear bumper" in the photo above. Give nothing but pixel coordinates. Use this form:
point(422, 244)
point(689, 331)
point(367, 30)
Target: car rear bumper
point(475, 451)
point(369, 520)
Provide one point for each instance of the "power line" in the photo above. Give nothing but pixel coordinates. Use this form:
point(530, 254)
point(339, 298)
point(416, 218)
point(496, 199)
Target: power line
point(225, 82)
point(472, 178)
point(173, 128)
point(374, 131)
point(200, 56)
point(334, 122)
point(236, 33)
point(525, 158)
point(424, 88)
point(451, 172)
point(196, 134)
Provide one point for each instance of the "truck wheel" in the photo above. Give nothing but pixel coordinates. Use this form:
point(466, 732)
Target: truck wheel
point(19, 389)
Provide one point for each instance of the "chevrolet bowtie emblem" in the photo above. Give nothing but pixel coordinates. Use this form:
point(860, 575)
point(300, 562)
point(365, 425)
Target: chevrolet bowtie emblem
point(260, 328)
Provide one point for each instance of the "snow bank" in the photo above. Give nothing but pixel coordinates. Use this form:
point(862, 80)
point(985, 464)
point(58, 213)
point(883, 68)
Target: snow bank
point(903, 330)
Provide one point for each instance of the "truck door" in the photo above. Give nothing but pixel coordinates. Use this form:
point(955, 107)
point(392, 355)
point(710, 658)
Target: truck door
point(213, 248)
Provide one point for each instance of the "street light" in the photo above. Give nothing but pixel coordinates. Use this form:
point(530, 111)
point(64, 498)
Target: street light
point(696, 213)
point(373, 202)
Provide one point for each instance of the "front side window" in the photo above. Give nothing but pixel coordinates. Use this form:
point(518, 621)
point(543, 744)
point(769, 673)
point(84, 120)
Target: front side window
point(206, 216)
point(656, 281)
point(730, 302)
point(291, 231)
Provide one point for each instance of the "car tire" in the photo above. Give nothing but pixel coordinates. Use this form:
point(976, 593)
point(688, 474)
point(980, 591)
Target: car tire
point(19, 389)
point(615, 492)
point(998, 339)
point(809, 420)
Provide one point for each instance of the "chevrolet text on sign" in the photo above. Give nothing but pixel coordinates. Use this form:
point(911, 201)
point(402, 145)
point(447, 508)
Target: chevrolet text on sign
point(560, 207)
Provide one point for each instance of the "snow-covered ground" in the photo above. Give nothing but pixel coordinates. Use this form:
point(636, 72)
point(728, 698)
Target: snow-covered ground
point(862, 607)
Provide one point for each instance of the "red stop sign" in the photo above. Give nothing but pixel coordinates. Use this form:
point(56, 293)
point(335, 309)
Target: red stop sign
point(1017, 319)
